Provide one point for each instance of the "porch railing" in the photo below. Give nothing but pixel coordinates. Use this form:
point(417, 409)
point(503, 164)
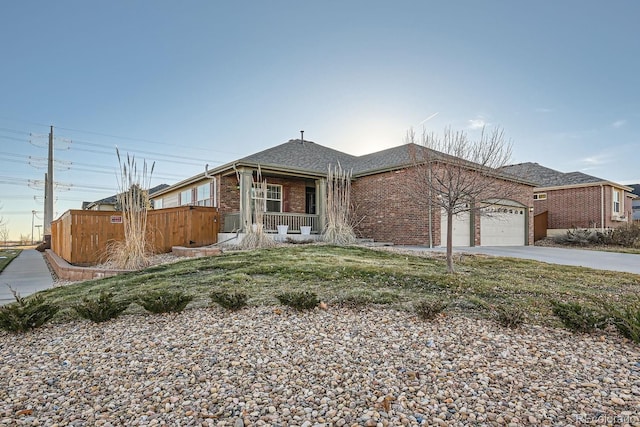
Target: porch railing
point(272, 220)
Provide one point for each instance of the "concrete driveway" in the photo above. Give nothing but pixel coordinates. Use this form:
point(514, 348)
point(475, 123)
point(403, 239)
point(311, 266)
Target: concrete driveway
point(598, 260)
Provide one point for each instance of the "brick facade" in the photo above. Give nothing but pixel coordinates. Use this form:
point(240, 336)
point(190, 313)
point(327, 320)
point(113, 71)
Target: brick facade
point(389, 210)
point(581, 207)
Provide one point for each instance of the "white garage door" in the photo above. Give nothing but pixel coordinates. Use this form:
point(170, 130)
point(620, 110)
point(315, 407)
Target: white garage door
point(502, 226)
point(461, 229)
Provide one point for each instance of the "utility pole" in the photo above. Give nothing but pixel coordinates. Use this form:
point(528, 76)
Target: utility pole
point(33, 214)
point(48, 193)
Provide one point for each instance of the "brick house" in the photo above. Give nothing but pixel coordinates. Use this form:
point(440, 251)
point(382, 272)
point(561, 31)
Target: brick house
point(635, 204)
point(385, 207)
point(574, 199)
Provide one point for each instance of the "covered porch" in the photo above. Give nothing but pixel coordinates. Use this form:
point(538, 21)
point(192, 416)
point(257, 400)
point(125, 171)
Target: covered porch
point(295, 203)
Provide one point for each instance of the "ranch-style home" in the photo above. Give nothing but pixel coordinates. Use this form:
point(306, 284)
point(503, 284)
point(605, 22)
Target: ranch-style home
point(386, 207)
point(574, 200)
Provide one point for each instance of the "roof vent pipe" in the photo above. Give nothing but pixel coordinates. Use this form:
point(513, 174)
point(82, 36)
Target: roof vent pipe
point(302, 136)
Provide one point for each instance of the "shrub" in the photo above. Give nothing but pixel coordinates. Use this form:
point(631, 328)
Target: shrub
point(509, 316)
point(429, 310)
point(165, 301)
point(355, 301)
point(627, 235)
point(626, 318)
point(25, 314)
point(231, 301)
point(577, 317)
point(101, 309)
point(579, 236)
point(299, 300)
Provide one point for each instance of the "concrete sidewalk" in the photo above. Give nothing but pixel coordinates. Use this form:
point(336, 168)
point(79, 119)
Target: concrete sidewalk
point(27, 274)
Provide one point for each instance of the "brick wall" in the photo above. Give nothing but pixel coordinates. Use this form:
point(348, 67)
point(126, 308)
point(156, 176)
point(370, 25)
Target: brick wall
point(581, 207)
point(387, 212)
point(389, 208)
point(294, 193)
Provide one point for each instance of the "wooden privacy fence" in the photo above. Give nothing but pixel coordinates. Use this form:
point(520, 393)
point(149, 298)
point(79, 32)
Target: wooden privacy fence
point(540, 226)
point(80, 237)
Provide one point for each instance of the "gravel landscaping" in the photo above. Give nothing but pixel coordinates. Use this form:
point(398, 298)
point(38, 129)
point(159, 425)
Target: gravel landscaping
point(273, 366)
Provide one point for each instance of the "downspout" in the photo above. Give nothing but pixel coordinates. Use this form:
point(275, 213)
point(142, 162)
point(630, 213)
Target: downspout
point(601, 208)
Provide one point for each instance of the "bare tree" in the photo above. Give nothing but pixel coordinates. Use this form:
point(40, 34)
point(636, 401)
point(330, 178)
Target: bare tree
point(4, 234)
point(459, 174)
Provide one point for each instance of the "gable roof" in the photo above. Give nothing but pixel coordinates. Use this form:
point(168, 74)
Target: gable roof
point(307, 157)
point(301, 155)
point(547, 177)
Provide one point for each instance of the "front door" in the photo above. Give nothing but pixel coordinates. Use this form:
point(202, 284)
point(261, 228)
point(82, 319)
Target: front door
point(310, 204)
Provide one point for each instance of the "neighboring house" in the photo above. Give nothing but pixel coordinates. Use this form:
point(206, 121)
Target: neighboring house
point(111, 203)
point(296, 175)
point(635, 204)
point(574, 199)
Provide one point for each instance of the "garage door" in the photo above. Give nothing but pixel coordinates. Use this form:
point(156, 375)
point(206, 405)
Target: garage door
point(502, 226)
point(461, 229)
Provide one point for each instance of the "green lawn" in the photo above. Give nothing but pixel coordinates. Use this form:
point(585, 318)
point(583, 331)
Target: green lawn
point(7, 255)
point(341, 274)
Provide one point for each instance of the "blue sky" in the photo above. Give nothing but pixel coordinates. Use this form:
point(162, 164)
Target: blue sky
point(195, 82)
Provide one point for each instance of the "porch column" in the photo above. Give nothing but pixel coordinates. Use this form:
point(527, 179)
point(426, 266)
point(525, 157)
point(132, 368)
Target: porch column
point(246, 182)
point(321, 203)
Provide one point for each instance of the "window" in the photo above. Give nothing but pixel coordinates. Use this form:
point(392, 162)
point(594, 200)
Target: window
point(157, 204)
point(616, 201)
point(203, 195)
point(540, 196)
point(273, 197)
point(186, 197)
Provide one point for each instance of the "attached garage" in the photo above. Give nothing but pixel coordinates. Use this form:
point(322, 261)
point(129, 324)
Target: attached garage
point(461, 229)
point(503, 225)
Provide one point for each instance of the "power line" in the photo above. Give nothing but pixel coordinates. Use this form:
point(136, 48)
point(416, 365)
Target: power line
point(153, 153)
point(124, 138)
point(144, 140)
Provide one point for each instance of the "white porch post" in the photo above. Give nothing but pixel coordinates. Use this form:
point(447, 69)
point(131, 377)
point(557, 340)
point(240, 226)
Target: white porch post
point(246, 181)
point(321, 203)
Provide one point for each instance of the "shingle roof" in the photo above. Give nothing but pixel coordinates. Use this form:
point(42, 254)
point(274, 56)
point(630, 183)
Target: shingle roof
point(301, 155)
point(311, 157)
point(636, 189)
point(546, 177)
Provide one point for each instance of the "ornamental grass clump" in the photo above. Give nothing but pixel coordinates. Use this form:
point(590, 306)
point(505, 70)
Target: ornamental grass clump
point(134, 251)
point(231, 301)
point(255, 235)
point(25, 314)
point(299, 300)
point(340, 227)
point(101, 309)
point(165, 301)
